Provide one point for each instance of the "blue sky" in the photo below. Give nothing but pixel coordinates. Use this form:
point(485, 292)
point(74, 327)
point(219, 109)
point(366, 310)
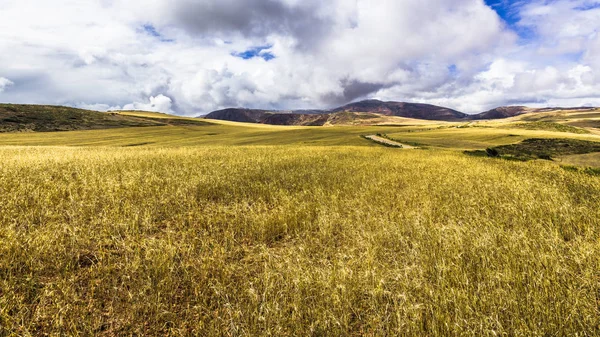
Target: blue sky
point(506, 9)
point(509, 11)
point(151, 30)
point(192, 57)
point(259, 51)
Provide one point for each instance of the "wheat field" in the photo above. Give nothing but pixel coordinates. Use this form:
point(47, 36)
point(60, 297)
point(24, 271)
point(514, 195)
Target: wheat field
point(294, 241)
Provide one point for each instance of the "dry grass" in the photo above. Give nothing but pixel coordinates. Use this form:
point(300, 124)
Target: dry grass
point(583, 160)
point(279, 240)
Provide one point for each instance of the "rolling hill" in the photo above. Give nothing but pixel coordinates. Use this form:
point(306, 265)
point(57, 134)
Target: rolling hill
point(46, 118)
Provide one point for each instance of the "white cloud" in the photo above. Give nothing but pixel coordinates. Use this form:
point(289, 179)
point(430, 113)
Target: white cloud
point(5, 83)
point(160, 103)
point(97, 107)
point(459, 53)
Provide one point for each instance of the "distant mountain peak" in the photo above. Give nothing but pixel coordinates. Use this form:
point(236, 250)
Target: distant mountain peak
point(404, 109)
point(369, 106)
point(501, 112)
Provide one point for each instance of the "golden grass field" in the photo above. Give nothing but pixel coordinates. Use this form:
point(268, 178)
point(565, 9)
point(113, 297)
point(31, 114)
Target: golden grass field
point(245, 230)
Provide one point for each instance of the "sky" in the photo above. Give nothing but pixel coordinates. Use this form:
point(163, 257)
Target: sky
point(190, 57)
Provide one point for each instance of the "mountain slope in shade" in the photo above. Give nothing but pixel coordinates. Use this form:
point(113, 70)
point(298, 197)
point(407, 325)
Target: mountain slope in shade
point(332, 118)
point(238, 115)
point(295, 119)
point(320, 117)
point(502, 112)
point(402, 109)
point(310, 118)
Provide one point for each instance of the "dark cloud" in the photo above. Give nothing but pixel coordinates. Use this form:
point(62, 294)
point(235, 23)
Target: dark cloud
point(352, 90)
point(254, 19)
point(356, 89)
point(525, 101)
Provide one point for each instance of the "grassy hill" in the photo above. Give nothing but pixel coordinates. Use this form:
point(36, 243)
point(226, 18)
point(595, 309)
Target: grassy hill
point(45, 118)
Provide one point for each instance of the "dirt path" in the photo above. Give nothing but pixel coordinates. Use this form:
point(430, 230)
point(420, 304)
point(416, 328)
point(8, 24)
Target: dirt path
point(381, 140)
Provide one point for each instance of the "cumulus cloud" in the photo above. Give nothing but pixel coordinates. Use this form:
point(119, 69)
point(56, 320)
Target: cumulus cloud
point(5, 83)
point(96, 107)
point(186, 56)
point(160, 103)
point(307, 21)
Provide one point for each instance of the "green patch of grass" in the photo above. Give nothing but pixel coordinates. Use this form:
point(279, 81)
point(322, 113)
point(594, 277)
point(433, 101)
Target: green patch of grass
point(477, 153)
point(540, 148)
point(594, 171)
point(547, 148)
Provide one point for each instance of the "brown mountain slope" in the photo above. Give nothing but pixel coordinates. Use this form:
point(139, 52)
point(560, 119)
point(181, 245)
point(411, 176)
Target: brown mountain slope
point(295, 119)
point(369, 109)
point(402, 109)
point(238, 115)
point(268, 117)
point(333, 118)
point(502, 112)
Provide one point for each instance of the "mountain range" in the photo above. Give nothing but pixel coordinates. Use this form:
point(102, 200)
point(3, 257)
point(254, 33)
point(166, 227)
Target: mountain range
point(45, 118)
point(368, 109)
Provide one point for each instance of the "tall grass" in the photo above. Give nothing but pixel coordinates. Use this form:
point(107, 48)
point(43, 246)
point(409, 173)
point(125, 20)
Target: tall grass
point(251, 241)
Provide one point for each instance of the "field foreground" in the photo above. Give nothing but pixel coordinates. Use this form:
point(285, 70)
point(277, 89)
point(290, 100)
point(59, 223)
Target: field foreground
point(280, 240)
